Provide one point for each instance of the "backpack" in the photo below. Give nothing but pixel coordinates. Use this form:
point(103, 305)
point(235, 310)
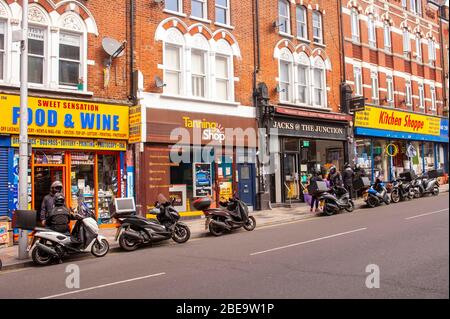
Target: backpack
point(58, 219)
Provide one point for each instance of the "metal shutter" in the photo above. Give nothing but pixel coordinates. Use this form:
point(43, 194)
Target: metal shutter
point(4, 182)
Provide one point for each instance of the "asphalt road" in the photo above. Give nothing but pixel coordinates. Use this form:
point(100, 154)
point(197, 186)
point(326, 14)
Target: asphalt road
point(324, 257)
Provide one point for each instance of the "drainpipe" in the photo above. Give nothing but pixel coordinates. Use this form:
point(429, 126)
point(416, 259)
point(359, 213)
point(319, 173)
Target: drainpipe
point(442, 49)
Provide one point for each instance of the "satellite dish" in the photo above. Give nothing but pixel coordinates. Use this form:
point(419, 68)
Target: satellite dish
point(159, 83)
point(113, 48)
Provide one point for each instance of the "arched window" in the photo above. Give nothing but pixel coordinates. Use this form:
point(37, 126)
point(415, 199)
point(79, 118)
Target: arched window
point(173, 62)
point(317, 27)
point(319, 83)
point(302, 29)
point(372, 31)
point(224, 71)
point(285, 75)
point(199, 66)
point(387, 37)
point(38, 39)
point(72, 51)
point(303, 75)
point(355, 25)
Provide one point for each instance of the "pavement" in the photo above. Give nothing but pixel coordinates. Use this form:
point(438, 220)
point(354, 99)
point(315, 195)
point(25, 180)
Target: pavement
point(398, 251)
point(279, 215)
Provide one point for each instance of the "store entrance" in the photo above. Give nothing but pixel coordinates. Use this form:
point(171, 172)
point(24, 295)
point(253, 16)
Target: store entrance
point(44, 176)
point(291, 176)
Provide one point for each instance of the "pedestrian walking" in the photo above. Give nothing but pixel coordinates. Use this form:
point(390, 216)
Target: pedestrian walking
point(348, 176)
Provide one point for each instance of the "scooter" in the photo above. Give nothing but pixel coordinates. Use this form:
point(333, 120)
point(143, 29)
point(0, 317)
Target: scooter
point(425, 186)
point(231, 214)
point(336, 200)
point(402, 190)
point(48, 245)
point(376, 195)
point(134, 230)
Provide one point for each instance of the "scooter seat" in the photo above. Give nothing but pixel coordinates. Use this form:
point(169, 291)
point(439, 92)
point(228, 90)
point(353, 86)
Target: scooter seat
point(44, 229)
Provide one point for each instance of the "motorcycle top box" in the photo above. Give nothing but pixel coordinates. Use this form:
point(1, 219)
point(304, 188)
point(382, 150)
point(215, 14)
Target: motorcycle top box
point(435, 173)
point(202, 203)
point(407, 176)
point(362, 182)
point(317, 187)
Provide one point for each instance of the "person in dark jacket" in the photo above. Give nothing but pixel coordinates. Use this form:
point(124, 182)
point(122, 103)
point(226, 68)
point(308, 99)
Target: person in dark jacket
point(58, 218)
point(314, 199)
point(48, 203)
point(334, 177)
point(348, 175)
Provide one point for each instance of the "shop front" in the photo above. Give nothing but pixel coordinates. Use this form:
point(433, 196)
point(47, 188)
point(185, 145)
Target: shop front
point(81, 144)
point(302, 145)
point(192, 155)
point(389, 142)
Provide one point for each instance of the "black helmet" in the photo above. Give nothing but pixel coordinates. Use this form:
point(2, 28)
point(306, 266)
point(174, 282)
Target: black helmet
point(59, 199)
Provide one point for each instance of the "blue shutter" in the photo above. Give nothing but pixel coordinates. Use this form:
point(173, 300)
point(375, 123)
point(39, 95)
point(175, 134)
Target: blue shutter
point(4, 191)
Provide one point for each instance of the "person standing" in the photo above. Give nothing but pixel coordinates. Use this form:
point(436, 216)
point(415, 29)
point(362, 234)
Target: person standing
point(348, 175)
point(48, 203)
point(314, 199)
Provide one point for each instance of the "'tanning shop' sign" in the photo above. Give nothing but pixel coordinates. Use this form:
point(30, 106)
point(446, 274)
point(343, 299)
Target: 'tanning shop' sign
point(49, 117)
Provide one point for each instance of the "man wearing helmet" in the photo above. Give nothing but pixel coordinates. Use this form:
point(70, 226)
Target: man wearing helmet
point(48, 203)
point(334, 177)
point(59, 217)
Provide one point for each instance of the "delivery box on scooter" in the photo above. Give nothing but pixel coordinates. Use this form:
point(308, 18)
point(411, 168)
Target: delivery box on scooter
point(361, 182)
point(202, 203)
point(317, 187)
point(435, 173)
point(408, 176)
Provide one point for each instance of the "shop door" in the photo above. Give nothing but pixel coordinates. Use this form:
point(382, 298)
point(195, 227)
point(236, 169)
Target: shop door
point(245, 183)
point(44, 176)
point(291, 176)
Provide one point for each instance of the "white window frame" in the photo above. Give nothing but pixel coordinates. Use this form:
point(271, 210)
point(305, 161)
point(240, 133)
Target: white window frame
point(419, 48)
point(390, 90)
point(354, 18)
point(404, 4)
point(204, 4)
point(421, 91)
point(285, 84)
point(413, 7)
point(408, 94)
point(406, 41)
point(323, 88)
point(179, 4)
point(306, 85)
point(80, 62)
point(284, 19)
point(318, 27)
point(180, 71)
point(431, 51)
point(387, 37)
point(302, 24)
point(433, 98)
point(372, 30)
point(227, 14)
point(374, 87)
point(357, 74)
point(199, 78)
point(419, 7)
point(45, 72)
point(5, 49)
point(229, 80)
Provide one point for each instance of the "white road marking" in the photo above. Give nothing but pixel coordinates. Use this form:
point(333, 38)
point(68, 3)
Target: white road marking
point(426, 214)
point(308, 241)
point(102, 286)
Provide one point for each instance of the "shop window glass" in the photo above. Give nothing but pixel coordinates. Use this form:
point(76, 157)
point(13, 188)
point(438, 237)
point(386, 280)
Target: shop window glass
point(380, 161)
point(45, 157)
point(364, 156)
point(69, 59)
point(108, 186)
point(428, 154)
point(36, 39)
point(82, 179)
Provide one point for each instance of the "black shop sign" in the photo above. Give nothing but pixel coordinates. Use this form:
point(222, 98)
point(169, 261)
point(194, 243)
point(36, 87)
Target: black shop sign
point(308, 129)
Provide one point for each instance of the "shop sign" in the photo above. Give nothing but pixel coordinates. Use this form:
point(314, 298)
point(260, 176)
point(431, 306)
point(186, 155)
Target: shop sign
point(70, 143)
point(211, 131)
point(50, 117)
point(309, 129)
point(135, 125)
point(393, 120)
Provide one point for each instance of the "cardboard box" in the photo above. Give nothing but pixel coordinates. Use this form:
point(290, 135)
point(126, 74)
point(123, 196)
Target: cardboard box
point(6, 235)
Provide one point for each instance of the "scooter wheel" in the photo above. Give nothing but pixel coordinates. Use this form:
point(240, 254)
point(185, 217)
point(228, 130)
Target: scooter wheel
point(40, 258)
point(216, 231)
point(351, 207)
point(395, 196)
point(436, 190)
point(371, 202)
point(100, 248)
point(181, 234)
point(127, 244)
point(327, 211)
point(251, 223)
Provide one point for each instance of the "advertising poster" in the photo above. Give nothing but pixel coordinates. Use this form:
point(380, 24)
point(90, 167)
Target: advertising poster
point(226, 190)
point(202, 179)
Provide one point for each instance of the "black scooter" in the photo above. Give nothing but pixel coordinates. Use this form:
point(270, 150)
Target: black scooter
point(134, 230)
point(230, 215)
point(336, 200)
point(402, 190)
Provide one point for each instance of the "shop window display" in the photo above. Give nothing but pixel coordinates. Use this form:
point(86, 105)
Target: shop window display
point(380, 162)
point(82, 179)
point(428, 154)
point(108, 186)
point(364, 156)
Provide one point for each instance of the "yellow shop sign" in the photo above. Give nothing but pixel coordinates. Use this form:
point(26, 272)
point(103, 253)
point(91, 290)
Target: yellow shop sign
point(50, 117)
point(72, 143)
point(393, 120)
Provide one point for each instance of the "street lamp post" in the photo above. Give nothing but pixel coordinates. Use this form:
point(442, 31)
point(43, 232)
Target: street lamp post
point(23, 138)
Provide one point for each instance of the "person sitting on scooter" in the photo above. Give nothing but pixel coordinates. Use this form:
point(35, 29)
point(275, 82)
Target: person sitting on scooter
point(58, 218)
point(334, 177)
